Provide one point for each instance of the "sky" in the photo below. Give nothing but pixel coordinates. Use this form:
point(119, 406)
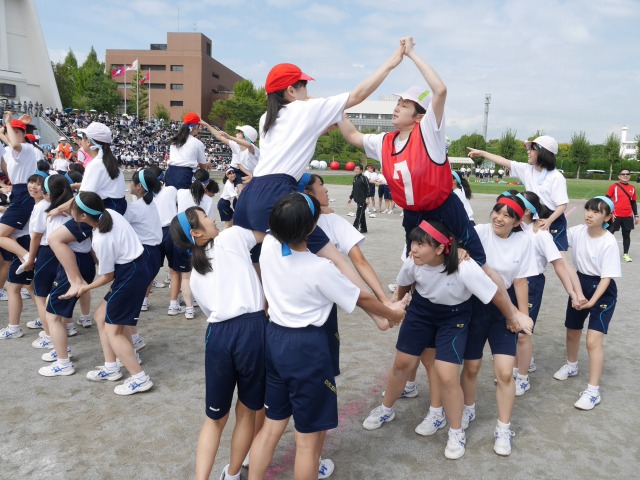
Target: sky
point(558, 66)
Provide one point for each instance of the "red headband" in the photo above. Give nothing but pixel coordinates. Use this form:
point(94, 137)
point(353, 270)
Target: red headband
point(437, 236)
point(514, 205)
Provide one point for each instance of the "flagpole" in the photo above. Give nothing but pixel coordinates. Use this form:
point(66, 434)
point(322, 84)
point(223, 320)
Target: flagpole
point(137, 92)
point(125, 88)
point(149, 92)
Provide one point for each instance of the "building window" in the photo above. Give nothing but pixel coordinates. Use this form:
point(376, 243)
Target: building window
point(157, 86)
point(370, 116)
point(176, 103)
point(215, 75)
point(177, 86)
point(153, 68)
point(208, 49)
point(385, 116)
point(158, 46)
point(177, 68)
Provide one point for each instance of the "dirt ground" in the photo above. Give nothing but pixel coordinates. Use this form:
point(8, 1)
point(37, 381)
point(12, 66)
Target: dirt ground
point(70, 428)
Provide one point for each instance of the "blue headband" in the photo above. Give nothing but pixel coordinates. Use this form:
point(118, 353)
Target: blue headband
point(186, 226)
point(161, 176)
point(90, 211)
point(286, 250)
point(69, 179)
point(304, 181)
point(528, 205)
point(42, 174)
point(506, 193)
point(143, 182)
point(609, 202)
point(46, 185)
point(457, 177)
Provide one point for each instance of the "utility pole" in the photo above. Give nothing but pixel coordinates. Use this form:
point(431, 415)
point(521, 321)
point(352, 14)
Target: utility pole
point(487, 101)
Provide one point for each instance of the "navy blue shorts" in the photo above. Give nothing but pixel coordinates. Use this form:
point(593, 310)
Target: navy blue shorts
point(487, 323)
point(153, 258)
point(44, 271)
point(24, 278)
point(80, 231)
point(239, 175)
point(179, 177)
point(372, 190)
point(225, 210)
point(558, 230)
point(166, 238)
point(234, 355)
point(20, 208)
point(429, 325)
point(601, 313)
point(536, 289)
point(333, 336)
point(127, 292)
point(383, 191)
point(117, 204)
point(300, 378)
point(454, 216)
point(178, 259)
point(64, 308)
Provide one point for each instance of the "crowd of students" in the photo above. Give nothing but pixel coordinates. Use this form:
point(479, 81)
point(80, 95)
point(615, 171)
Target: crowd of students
point(271, 281)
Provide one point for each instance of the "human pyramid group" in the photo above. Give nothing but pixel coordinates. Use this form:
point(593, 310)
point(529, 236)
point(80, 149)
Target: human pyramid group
point(271, 281)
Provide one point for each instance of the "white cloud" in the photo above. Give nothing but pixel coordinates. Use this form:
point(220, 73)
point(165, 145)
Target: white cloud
point(323, 14)
point(357, 65)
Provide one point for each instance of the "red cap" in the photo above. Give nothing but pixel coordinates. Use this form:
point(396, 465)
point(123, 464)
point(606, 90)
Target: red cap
point(191, 119)
point(19, 124)
point(31, 137)
point(284, 75)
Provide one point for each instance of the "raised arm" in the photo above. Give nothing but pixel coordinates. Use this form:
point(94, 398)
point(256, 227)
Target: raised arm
point(350, 132)
point(497, 159)
point(14, 142)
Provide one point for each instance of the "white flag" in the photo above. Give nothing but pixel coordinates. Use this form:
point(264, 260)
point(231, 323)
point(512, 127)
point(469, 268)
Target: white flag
point(133, 66)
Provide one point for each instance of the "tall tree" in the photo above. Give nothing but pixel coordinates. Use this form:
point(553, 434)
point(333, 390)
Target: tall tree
point(612, 151)
point(93, 88)
point(245, 108)
point(161, 112)
point(458, 148)
point(508, 144)
point(65, 74)
point(637, 139)
point(138, 93)
point(580, 150)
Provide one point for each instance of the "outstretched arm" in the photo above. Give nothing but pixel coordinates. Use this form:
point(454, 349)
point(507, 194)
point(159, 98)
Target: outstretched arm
point(497, 159)
point(350, 132)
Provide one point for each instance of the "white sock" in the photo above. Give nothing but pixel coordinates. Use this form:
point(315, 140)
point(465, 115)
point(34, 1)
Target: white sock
point(14, 328)
point(410, 385)
point(85, 317)
point(386, 409)
point(573, 365)
point(135, 337)
point(438, 411)
point(173, 304)
point(140, 376)
point(593, 389)
point(65, 362)
point(112, 367)
point(516, 371)
point(522, 377)
point(456, 430)
point(230, 477)
point(503, 426)
point(70, 325)
point(470, 407)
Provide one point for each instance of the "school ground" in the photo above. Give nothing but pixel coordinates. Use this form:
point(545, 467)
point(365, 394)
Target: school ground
point(70, 428)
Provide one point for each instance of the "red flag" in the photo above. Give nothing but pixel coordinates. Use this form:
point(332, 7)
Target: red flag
point(146, 78)
point(117, 72)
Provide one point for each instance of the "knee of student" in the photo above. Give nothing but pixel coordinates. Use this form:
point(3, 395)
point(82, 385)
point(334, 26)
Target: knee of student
point(471, 368)
point(524, 340)
point(594, 341)
point(404, 363)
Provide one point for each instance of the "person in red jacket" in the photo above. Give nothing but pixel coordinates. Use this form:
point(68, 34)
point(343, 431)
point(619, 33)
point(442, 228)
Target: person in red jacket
point(626, 211)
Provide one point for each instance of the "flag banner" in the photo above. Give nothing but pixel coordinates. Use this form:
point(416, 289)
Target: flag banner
point(145, 79)
point(133, 66)
point(117, 72)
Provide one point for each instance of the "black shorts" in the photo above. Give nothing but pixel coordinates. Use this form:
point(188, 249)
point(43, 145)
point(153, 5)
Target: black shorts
point(626, 223)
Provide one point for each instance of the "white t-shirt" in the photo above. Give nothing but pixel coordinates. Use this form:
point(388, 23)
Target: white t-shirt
point(432, 134)
point(545, 248)
point(229, 191)
point(341, 233)
point(290, 143)
point(511, 257)
point(233, 287)
point(145, 220)
point(549, 185)
point(243, 157)
point(38, 220)
point(61, 164)
point(97, 180)
point(117, 247)
point(185, 200)
point(58, 221)
point(301, 288)
point(371, 176)
point(465, 201)
point(188, 155)
point(599, 257)
point(442, 289)
point(20, 165)
point(167, 204)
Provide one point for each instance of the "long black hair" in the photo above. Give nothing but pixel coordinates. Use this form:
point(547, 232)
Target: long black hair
point(201, 178)
point(292, 219)
point(152, 182)
point(199, 259)
point(59, 190)
point(109, 160)
point(275, 101)
point(182, 135)
point(93, 201)
point(463, 184)
point(534, 199)
point(451, 260)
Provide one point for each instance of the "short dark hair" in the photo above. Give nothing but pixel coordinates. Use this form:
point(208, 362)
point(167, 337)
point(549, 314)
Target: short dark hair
point(546, 159)
point(623, 169)
point(292, 220)
point(597, 205)
point(358, 165)
point(419, 109)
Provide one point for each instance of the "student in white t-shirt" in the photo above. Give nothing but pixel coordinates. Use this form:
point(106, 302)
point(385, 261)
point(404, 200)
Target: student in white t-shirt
point(301, 289)
point(186, 153)
point(511, 254)
point(596, 255)
point(372, 176)
point(228, 198)
point(462, 189)
point(229, 292)
point(167, 204)
point(61, 164)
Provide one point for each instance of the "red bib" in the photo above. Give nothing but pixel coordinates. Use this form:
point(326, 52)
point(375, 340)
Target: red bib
point(417, 183)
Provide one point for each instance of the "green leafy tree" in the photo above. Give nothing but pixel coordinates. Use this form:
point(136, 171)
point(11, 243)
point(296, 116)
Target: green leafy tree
point(245, 108)
point(161, 112)
point(538, 133)
point(458, 148)
point(637, 139)
point(141, 96)
point(93, 88)
point(612, 151)
point(580, 151)
point(336, 144)
point(508, 144)
point(65, 74)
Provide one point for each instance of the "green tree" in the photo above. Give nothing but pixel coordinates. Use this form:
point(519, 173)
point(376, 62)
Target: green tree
point(458, 148)
point(336, 144)
point(245, 108)
point(65, 73)
point(637, 139)
point(138, 93)
point(93, 88)
point(580, 151)
point(538, 133)
point(508, 144)
point(161, 112)
point(612, 151)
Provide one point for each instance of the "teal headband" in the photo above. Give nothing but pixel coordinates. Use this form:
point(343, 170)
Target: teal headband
point(457, 177)
point(529, 205)
point(143, 182)
point(304, 181)
point(506, 193)
point(84, 208)
point(69, 179)
point(286, 250)
point(46, 185)
point(42, 174)
point(186, 227)
point(609, 202)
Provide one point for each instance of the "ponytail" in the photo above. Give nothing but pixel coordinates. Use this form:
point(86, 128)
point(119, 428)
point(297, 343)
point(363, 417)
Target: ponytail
point(200, 181)
point(109, 160)
point(199, 259)
point(149, 182)
point(180, 138)
point(90, 204)
point(275, 101)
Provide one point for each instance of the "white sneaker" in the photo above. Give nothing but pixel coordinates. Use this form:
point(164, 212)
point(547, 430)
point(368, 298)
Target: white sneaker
point(468, 416)
point(173, 311)
point(587, 400)
point(455, 445)
point(522, 385)
point(377, 417)
point(189, 313)
point(131, 386)
point(52, 356)
point(24, 293)
point(4, 296)
point(431, 424)
point(389, 212)
point(374, 210)
point(565, 372)
point(6, 333)
point(326, 468)
point(139, 344)
point(502, 445)
point(372, 215)
point(104, 374)
point(71, 330)
point(532, 365)
point(34, 323)
point(145, 305)
point(393, 287)
point(42, 342)
point(158, 284)
point(120, 365)
point(386, 211)
point(351, 214)
point(57, 369)
point(194, 302)
point(84, 322)
point(407, 392)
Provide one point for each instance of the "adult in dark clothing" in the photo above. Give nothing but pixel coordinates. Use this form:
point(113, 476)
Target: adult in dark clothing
point(359, 194)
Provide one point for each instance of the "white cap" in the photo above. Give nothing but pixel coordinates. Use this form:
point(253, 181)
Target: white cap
point(545, 141)
point(417, 94)
point(62, 139)
point(98, 132)
point(249, 132)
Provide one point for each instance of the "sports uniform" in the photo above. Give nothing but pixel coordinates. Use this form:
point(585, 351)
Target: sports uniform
point(96, 179)
point(183, 161)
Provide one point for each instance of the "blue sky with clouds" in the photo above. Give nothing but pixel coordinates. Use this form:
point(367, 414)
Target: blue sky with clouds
point(555, 65)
